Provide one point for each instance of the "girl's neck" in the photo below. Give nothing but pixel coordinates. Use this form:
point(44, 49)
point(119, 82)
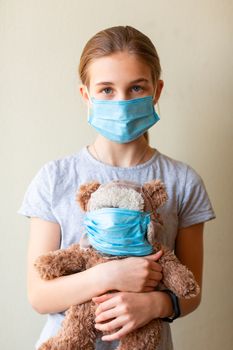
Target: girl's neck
point(121, 155)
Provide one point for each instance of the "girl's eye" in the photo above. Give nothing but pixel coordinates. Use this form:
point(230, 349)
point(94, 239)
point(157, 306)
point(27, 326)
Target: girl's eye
point(107, 90)
point(137, 88)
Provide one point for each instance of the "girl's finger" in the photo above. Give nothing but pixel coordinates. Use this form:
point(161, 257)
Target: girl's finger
point(119, 334)
point(107, 315)
point(103, 297)
point(154, 257)
point(156, 276)
point(152, 283)
point(149, 289)
point(106, 305)
point(112, 325)
point(156, 267)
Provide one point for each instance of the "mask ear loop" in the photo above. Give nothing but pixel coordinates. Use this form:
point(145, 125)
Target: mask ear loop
point(88, 95)
point(157, 104)
point(90, 101)
point(159, 113)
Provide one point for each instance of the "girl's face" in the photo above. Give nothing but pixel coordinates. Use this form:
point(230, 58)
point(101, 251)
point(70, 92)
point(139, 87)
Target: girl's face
point(120, 76)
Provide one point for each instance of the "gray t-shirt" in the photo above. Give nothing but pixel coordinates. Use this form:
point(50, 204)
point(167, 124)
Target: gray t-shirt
point(51, 196)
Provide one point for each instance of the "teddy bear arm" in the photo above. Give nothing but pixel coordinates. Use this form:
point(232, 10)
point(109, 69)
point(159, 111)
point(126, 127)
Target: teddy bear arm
point(177, 277)
point(60, 262)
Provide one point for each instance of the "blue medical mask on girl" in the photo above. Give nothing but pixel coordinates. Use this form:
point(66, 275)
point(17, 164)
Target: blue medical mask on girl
point(122, 121)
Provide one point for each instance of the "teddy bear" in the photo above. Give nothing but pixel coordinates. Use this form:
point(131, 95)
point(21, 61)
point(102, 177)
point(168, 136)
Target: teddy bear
point(77, 331)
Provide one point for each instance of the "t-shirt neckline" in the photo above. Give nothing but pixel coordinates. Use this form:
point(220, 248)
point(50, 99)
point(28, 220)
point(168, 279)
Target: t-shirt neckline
point(113, 167)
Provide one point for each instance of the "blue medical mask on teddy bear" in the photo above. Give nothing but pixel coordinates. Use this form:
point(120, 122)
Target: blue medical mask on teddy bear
point(122, 121)
point(118, 231)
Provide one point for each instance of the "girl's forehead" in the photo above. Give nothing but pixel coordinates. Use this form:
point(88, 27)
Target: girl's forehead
point(120, 66)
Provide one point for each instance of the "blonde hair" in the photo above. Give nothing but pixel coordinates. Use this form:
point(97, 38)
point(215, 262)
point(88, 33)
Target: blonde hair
point(118, 39)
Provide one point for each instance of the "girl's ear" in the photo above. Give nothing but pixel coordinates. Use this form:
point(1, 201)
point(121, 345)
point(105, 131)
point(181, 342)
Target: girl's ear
point(84, 94)
point(84, 193)
point(159, 88)
point(157, 192)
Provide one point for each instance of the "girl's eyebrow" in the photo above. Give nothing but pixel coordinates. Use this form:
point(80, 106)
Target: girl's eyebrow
point(140, 80)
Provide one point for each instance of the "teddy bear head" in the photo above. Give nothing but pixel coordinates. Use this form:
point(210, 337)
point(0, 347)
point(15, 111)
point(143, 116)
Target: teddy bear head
point(122, 194)
point(125, 195)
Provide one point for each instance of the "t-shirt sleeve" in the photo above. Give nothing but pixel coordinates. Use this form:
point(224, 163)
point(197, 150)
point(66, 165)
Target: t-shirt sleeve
point(195, 206)
point(37, 201)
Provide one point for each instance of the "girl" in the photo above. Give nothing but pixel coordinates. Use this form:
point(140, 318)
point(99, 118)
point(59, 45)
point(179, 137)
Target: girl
point(119, 70)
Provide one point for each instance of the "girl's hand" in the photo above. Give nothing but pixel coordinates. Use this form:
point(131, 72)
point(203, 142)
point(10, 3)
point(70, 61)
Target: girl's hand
point(127, 311)
point(134, 274)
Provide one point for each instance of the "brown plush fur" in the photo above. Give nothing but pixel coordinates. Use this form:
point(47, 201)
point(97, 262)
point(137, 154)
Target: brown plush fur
point(78, 331)
point(85, 192)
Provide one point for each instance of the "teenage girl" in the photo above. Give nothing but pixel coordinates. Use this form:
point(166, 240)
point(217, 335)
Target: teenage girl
point(119, 69)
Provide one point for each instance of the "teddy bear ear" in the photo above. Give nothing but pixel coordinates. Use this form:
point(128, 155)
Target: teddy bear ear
point(84, 193)
point(157, 191)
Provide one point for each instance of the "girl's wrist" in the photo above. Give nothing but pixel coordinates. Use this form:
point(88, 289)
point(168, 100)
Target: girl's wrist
point(107, 275)
point(162, 305)
point(99, 277)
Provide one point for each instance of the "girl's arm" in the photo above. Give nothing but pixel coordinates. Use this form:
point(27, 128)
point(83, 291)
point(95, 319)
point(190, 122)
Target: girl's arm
point(189, 250)
point(57, 295)
point(129, 311)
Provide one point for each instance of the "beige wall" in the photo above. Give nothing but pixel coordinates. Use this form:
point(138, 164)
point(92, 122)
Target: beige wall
point(42, 118)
